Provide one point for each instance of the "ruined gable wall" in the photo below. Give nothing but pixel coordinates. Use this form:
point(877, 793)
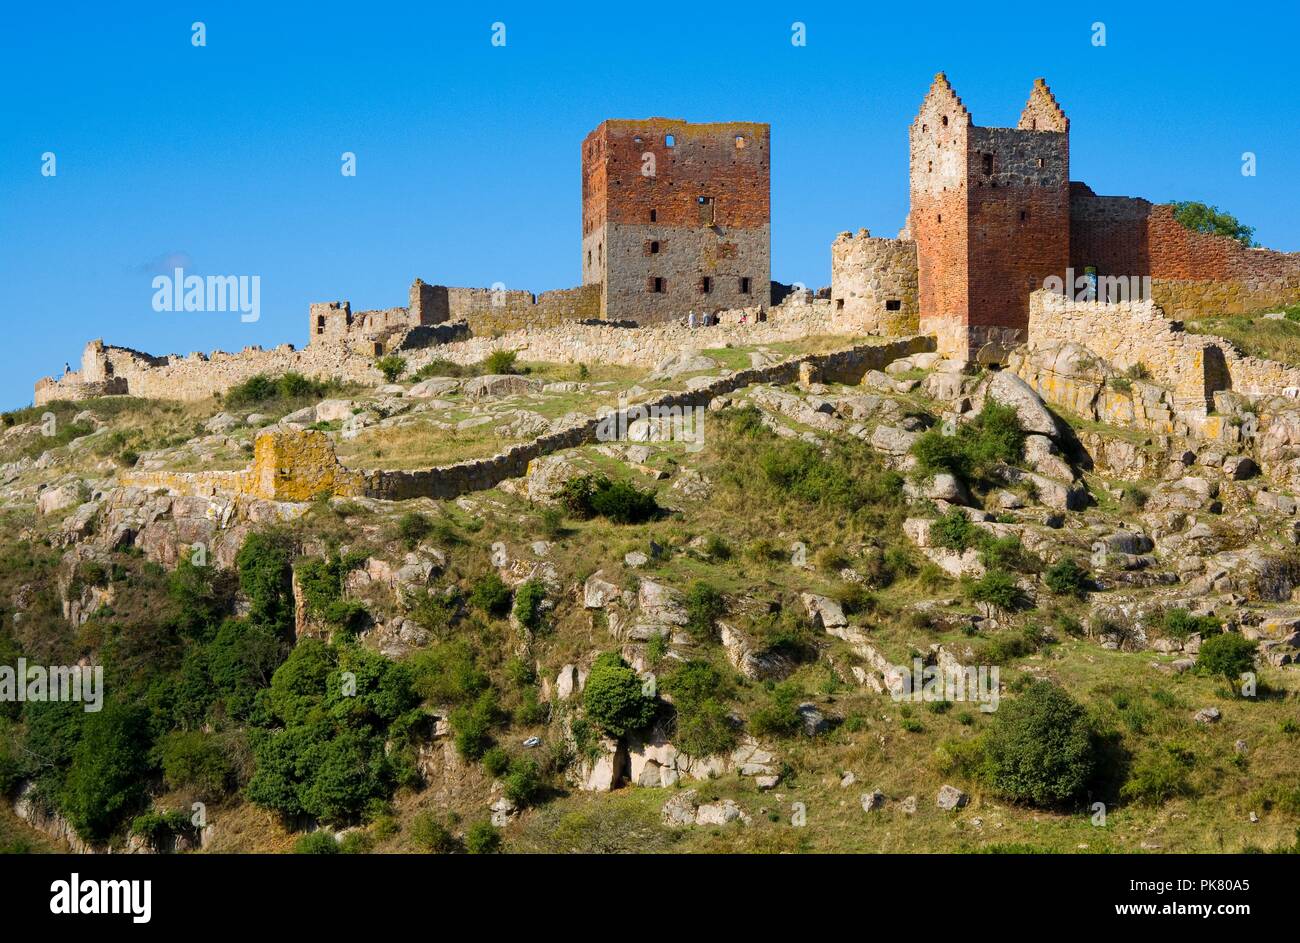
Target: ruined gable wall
point(867, 274)
point(938, 217)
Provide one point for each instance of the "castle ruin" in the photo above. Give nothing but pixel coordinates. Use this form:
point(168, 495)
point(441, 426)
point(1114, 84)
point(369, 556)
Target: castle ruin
point(676, 219)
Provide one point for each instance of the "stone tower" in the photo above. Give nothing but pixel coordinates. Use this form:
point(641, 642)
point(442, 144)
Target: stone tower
point(676, 217)
point(990, 216)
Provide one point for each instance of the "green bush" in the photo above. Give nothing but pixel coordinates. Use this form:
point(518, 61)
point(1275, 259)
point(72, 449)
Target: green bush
point(412, 527)
point(1181, 624)
point(197, 761)
point(265, 578)
point(482, 838)
point(699, 695)
point(954, 531)
point(1067, 578)
point(779, 716)
point(431, 835)
point(391, 366)
point(448, 673)
point(491, 595)
point(261, 389)
point(495, 762)
point(473, 723)
point(997, 591)
point(704, 605)
point(321, 582)
point(1040, 748)
point(320, 842)
point(106, 776)
point(974, 448)
point(1227, 655)
point(588, 496)
point(613, 698)
point(523, 783)
point(501, 361)
point(528, 604)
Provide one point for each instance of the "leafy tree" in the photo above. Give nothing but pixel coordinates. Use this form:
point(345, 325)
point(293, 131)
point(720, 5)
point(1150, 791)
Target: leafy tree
point(391, 366)
point(298, 686)
point(320, 842)
point(1199, 217)
point(106, 777)
point(704, 605)
point(482, 838)
point(528, 604)
point(266, 579)
point(997, 591)
point(614, 699)
point(473, 723)
point(1041, 747)
point(699, 693)
point(448, 673)
point(523, 782)
point(193, 759)
point(780, 716)
point(491, 595)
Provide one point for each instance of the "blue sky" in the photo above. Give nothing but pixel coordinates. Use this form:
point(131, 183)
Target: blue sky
point(228, 156)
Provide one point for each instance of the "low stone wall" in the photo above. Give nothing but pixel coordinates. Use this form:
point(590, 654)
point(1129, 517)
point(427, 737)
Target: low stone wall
point(294, 465)
point(646, 346)
point(1128, 333)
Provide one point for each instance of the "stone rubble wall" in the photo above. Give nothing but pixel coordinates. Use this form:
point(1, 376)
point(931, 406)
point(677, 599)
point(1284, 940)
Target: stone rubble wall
point(867, 274)
point(297, 465)
point(1128, 333)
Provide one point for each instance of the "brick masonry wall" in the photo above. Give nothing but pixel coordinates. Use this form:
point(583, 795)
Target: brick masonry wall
point(628, 214)
point(1193, 274)
point(867, 275)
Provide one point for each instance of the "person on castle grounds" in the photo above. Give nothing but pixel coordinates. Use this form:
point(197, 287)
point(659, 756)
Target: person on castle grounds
point(690, 319)
point(67, 367)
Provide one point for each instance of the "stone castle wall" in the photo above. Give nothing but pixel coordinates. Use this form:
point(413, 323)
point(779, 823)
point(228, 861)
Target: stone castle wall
point(1192, 274)
point(1126, 334)
point(873, 283)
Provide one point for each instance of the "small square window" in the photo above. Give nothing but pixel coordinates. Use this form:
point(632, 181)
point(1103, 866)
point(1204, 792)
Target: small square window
point(744, 285)
point(893, 304)
point(655, 285)
point(670, 140)
point(740, 141)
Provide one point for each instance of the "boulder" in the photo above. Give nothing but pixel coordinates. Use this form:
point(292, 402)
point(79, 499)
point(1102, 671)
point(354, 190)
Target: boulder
point(814, 721)
point(433, 388)
point(872, 801)
point(823, 612)
point(1009, 390)
point(330, 410)
point(598, 592)
point(59, 497)
point(951, 798)
point(499, 384)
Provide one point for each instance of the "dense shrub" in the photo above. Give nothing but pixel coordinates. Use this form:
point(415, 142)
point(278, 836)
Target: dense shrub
point(320, 842)
point(261, 389)
point(704, 605)
point(501, 361)
point(321, 582)
point(448, 673)
point(974, 448)
point(266, 579)
point(614, 699)
point(1227, 655)
point(996, 591)
point(528, 604)
point(522, 783)
point(1040, 748)
point(588, 496)
point(700, 697)
point(1199, 217)
point(779, 716)
point(482, 838)
point(1067, 578)
point(198, 761)
point(106, 777)
point(954, 531)
point(472, 725)
point(491, 595)
point(391, 366)
point(431, 835)
point(1158, 775)
point(1181, 624)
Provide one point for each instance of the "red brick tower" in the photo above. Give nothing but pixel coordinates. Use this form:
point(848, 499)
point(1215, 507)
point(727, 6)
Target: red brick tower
point(675, 217)
point(990, 216)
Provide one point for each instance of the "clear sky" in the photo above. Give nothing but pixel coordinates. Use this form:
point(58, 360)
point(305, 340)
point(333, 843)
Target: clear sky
point(227, 157)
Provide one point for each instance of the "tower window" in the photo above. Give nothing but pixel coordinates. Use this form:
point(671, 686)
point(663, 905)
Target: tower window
point(744, 285)
point(988, 164)
point(670, 140)
point(839, 304)
point(320, 324)
point(655, 285)
point(1040, 162)
point(654, 216)
point(893, 304)
point(652, 247)
point(704, 205)
point(945, 121)
point(706, 284)
point(1024, 215)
